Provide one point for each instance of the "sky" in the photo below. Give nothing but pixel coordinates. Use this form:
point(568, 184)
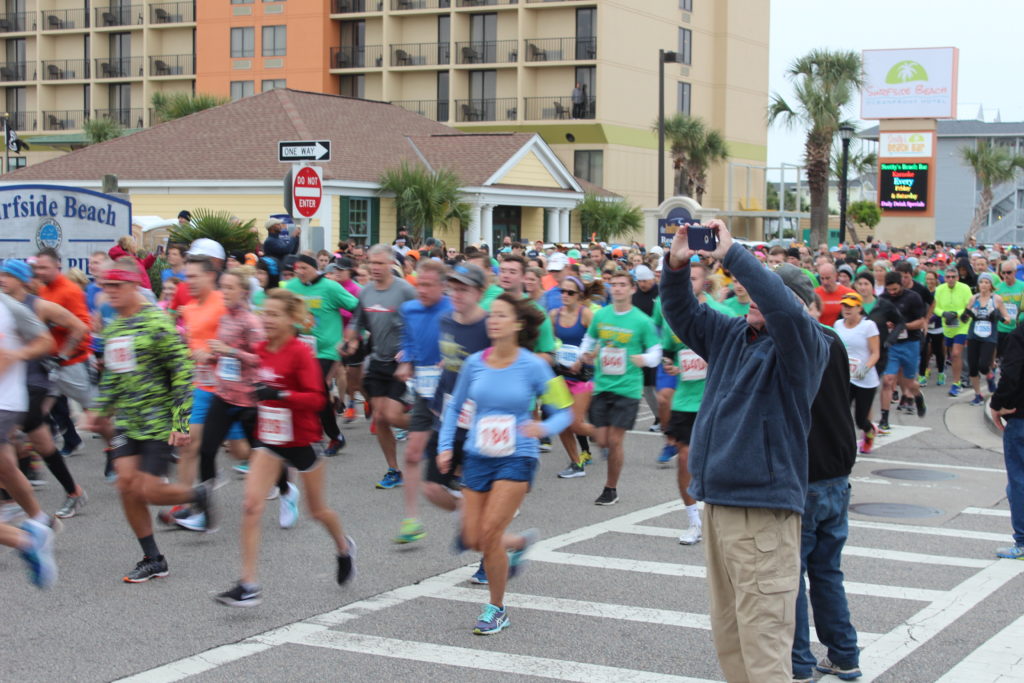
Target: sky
point(987, 32)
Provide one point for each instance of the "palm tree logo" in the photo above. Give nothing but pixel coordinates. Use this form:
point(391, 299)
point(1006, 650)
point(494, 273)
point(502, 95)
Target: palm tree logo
point(906, 71)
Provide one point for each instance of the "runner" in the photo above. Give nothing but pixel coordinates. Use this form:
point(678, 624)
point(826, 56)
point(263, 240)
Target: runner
point(860, 337)
point(934, 343)
point(984, 308)
point(950, 305)
point(352, 365)
point(1011, 291)
point(905, 351)
point(570, 322)
point(290, 395)
point(503, 381)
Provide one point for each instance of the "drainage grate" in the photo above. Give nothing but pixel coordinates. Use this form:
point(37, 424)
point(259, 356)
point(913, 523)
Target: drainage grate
point(915, 474)
point(894, 510)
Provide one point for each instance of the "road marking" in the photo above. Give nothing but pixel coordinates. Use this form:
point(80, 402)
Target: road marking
point(930, 530)
point(898, 433)
point(933, 465)
point(987, 512)
point(997, 659)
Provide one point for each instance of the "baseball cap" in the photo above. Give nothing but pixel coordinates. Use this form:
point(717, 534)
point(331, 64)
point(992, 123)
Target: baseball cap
point(18, 269)
point(468, 274)
point(345, 263)
point(852, 299)
point(558, 261)
point(643, 273)
point(206, 247)
point(271, 222)
point(797, 281)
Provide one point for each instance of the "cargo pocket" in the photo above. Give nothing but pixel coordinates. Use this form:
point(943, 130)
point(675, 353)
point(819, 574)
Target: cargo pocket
point(773, 580)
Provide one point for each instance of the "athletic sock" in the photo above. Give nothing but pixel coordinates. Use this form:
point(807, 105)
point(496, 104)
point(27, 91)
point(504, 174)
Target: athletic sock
point(694, 514)
point(149, 548)
point(885, 417)
point(59, 469)
point(25, 465)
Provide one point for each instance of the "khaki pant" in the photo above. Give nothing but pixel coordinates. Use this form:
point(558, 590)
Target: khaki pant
point(753, 561)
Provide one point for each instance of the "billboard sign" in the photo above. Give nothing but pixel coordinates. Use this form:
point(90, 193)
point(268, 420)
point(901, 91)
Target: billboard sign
point(917, 83)
point(903, 187)
point(915, 144)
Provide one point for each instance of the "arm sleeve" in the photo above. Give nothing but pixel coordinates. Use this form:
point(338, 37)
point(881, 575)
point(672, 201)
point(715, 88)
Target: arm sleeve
point(1012, 364)
point(342, 298)
point(309, 395)
point(450, 419)
point(178, 364)
point(254, 335)
point(148, 262)
point(652, 356)
point(695, 325)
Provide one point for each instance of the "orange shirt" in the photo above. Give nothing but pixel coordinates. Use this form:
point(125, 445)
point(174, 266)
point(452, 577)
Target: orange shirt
point(66, 293)
point(548, 282)
point(831, 309)
point(201, 321)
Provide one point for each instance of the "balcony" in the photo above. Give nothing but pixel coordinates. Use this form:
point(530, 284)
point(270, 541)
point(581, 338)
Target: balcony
point(171, 65)
point(124, 15)
point(13, 71)
point(560, 49)
point(64, 19)
point(64, 120)
point(400, 5)
point(486, 3)
point(129, 118)
point(486, 109)
point(487, 51)
point(16, 21)
point(172, 13)
point(420, 54)
point(19, 120)
point(554, 108)
point(65, 69)
point(119, 67)
point(361, 57)
point(354, 6)
point(432, 109)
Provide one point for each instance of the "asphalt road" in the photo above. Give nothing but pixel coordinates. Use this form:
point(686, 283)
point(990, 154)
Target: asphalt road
point(609, 596)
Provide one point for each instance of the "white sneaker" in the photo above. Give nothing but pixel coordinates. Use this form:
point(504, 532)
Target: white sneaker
point(691, 536)
point(289, 510)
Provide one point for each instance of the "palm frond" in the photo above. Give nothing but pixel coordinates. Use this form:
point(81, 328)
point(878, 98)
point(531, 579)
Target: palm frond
point(219, 226)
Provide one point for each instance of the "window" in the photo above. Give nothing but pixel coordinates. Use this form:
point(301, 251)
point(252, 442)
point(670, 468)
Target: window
point(240, 89)
point(359, 220)
point(16, 105)
point(274, 41)
point(353, 86)
point(683, 99)
point(119, 99)
point(243, 42)
point(444, 38)
point(586, 33)
point(483, 34)
point(586, 76)
point(17, 162)
point(685, 45)
point(273, 84)
point(442, 95)
point(686, 5)
point(241, 2)
point(589, 165)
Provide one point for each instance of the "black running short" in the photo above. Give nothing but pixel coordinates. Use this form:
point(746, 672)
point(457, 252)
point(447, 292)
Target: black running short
point(155, 457)
point(302, 458)
point(612, 410)
point(35, 417)
point(680, 426)
point(379, 381)
point(451, 479)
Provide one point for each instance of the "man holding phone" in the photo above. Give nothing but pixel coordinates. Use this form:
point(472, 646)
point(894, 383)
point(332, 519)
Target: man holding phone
point(748, 451)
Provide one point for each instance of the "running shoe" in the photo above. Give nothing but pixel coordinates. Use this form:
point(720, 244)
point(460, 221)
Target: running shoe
point(608, 497)
point(923, 379)
point(954, 390)
point(148, 568)
point(883, 427)
point(42, 570)
point(240, 596)
point(194, 522)
point(335, 445)
point(401, 434)
point(168, 517)
point(921, 409)
point(586, 458)
point(655, 428)
point(895, 397)
point(868, 443)
point(204, 503)
point(991, 379)
point(72, 447)
point(410, 531)
point(691, 536)
point(978, 400)
point(825, 666)
point(491, 620)
point(517, 558)
point(572, 471)
point(668, 454)
point(347, 562)
point(350, 414)
point(941, 380)
point(109, 473)
point(392, 478)
point(288, 512)
point(338, 404)
point(373, 425)
point(1013, 552)
point(545, 445)
point(71, 506)
point(367, 409)
point(242, 468)
point(479, 576)
point(36, 482)
point(274, 493)
point(458, 547)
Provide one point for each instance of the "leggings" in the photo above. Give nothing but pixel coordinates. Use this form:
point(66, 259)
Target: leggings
point(218, 420)
point(861, 399)
point(979, 356)
point(934, 344)
point(328, 419)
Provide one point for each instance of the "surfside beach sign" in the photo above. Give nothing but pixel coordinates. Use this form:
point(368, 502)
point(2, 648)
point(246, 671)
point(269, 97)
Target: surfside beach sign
point(917, 83)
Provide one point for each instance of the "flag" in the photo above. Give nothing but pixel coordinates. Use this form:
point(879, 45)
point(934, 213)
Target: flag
point(14, 143)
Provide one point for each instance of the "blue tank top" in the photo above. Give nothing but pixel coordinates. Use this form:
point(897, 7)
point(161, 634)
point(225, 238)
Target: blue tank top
point(572, 335)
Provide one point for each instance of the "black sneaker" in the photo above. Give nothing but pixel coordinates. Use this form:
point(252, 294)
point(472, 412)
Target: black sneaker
point(148, 568)
point(608, 497)
point(347, 563)
point(921, 410)
point(239, 596)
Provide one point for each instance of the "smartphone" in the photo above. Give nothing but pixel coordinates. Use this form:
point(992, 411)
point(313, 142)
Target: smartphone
point(700, 238)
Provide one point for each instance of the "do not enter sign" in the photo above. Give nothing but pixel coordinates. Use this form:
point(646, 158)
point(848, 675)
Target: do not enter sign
point(307, 190)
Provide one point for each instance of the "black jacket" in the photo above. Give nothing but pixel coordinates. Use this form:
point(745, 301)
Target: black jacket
point(832, 441)
point(1010, 392)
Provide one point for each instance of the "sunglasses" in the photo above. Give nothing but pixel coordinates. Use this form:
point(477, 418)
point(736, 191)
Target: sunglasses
point(570, 292)
point(1008, 272)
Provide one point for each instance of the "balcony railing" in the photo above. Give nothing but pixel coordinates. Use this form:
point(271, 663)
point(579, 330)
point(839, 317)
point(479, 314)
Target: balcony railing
point(557, 107)
point(560, 49)
point(18, 120)
point(64, 120)
point(361, 57)
point(15, 21)
point(484, 3)
point(65, 69)
point(432, 109)
point(123, 15)
point(63, 19)
point(172, 13)
point(419, 54)
point(487, 51)
point(352, 6)
point(13, 71)
point(129, 118)
point(486, 109)
point(399, 5)
point(171, 65)
point(119, 67)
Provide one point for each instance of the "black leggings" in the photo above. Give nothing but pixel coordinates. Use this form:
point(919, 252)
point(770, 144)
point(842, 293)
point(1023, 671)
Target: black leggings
point(979, 357)
point(218, 421)
point(934, 344)
point(861, 399)
point(327, 417)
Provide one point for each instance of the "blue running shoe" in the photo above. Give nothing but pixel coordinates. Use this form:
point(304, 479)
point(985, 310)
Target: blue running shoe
point(491, 620)
point(401, 434)
point(978, 400)
point(1013, 552)
point(991, 382)
point(42, 570)
point(827, 667)
point(668, 454)
point(517, 558)
point(242, 468)
point(954, 390)
point(392, 478)
point(480, 576)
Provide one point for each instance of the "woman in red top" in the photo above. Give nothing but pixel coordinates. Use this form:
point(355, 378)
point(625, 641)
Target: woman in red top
point(290, 396)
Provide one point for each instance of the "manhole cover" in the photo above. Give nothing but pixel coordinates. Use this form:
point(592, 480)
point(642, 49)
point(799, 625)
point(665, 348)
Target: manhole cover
point(915, 474)
point(894, 510)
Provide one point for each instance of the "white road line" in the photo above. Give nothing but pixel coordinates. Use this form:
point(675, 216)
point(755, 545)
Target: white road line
point(932, 465)
point(987, 512)
point(899, 643)
point(643, 432)
point(997, 659)
point(485, 660)
point(931, 531)
point(898, 433)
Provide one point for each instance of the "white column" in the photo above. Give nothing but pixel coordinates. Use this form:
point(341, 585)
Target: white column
point(487, 226)
point(563, 222)
point(473, 229)
point(553, 228)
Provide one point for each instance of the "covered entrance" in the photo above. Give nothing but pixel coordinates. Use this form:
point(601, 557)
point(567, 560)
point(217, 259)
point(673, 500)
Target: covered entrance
point(508, 221)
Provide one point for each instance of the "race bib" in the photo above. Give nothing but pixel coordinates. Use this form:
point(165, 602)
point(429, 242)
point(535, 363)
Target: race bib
point(691, 366)
point(275, 425)
point(496, 435)
point(613, 360)
point(854, 365)
point(310, 341)
point(465, 419)
point(203, 376)
point(1012, 310)
point(119, 355)
point(426, 379)
point(566, 355)
point(983, 328)
point(229, 369)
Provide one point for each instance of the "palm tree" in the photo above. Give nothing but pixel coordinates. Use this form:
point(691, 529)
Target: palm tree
point(425, 198)
point(694, 148)
point(219, 226)
point(824, 84)
point(609, 219)
point(167, 107)
point(101, 129)
point(993, 165)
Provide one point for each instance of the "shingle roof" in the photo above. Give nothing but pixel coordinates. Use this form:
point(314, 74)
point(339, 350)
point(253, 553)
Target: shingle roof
point(473, 157)
point(964, 129)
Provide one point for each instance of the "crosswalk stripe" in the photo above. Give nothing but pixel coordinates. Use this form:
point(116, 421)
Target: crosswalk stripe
point(931, 531)
point(997, 659)
point(987, 512)
point(930, 465)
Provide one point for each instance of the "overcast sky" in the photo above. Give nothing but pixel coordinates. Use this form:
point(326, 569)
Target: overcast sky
point(987, 32)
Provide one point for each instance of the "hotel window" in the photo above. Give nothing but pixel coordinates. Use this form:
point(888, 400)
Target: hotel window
point(273, 84)
point(685, 45)
point(353, 86)
point(683, 104)
point(241, 2)
point(686, 5)
point(243, 42)
point(589, 165)
point(240, 89)
point(274, 41)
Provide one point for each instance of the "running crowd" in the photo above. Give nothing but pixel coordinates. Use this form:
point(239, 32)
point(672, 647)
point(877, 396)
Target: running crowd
point(479, 362)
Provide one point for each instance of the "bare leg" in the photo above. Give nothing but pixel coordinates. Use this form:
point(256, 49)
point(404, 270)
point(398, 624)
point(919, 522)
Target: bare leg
point(130, 485)
point(494, 511)
point(412, 474)
point(313, 486)
point(264, 470)
point(15, 482)
point(615, 456)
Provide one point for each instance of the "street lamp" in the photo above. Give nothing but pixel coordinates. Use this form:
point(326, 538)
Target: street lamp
point(672, 58)
point(845, 135)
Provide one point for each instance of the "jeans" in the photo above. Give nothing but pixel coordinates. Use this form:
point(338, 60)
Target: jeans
point(825, 528)
point(1013, 454)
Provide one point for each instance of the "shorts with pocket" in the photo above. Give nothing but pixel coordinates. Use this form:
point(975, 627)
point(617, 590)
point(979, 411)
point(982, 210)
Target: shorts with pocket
point(608, 409)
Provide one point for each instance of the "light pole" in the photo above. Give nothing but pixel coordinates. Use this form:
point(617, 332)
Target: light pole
point(663, 57)
point(845, 135)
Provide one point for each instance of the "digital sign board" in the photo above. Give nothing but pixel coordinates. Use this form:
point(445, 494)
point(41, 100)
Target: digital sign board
point(903, 187)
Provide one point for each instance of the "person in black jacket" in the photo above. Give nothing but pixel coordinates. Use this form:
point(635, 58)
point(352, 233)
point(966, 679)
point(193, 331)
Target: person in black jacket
point(1007, 406)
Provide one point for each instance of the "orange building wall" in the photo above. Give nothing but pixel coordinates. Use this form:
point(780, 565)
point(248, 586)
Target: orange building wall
point(310, 35)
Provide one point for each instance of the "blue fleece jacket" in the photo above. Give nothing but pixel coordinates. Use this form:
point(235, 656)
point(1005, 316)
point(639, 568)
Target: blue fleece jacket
point(749, 444)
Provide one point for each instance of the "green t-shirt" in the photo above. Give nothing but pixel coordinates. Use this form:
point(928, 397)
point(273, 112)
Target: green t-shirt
point(813, 276)
point(490, 294)
point(1012, 296)
point(692, 373)
point(324, 298)
point(734, 307)
point(619, 336)
point(921, 277)
point(952, 299)
point(656, 317)
point(546, 333)
point(257, 300)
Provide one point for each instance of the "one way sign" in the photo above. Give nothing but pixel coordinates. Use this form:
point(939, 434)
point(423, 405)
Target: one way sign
point(304, 150)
